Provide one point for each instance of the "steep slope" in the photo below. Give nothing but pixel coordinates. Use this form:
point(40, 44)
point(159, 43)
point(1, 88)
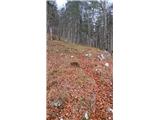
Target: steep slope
point(79, 82)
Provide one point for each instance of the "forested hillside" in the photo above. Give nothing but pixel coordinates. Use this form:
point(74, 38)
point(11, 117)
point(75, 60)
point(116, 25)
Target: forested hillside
point(82, 22)
point(79, 61)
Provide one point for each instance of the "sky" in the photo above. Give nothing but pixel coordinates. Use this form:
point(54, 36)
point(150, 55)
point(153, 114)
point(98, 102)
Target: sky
point(61, 3)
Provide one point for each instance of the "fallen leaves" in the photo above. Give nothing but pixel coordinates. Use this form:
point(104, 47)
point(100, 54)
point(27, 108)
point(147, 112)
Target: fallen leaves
point(79, 81)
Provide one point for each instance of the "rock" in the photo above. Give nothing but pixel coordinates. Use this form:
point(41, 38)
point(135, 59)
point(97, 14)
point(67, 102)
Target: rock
point(86, 116)
point(88, 55)
point(98, 71)
point(57, 103)
point(101, 57)
point(109, 109)
point(107, 64)
point(107, 54)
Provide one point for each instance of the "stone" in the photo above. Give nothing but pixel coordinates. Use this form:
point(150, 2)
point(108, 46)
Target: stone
point(107, 64)
point(57, 103)
point(101, 57)
point(109, 109)
point(88, 55)
point(86, 116)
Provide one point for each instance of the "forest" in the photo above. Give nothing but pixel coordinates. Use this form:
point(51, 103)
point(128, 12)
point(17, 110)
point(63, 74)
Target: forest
point(82, 22)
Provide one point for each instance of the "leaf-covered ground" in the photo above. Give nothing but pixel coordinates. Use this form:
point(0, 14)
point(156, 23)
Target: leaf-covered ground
point(79, 82)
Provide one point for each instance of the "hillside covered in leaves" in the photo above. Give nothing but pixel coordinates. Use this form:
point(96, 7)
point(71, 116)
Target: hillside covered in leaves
point(79, 82)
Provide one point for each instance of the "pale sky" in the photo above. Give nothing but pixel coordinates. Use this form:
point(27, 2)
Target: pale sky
point(61, 3)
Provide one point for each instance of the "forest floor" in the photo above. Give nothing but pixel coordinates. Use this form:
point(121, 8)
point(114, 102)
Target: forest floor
point(79, 82)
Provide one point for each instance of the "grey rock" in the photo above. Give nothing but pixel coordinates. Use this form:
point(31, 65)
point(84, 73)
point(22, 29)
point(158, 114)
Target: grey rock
point(86, 116)
point(88, 55)
point(57, 103)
